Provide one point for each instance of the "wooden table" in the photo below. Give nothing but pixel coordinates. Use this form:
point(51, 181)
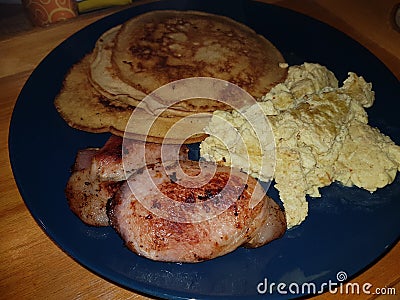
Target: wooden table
point(33, 267)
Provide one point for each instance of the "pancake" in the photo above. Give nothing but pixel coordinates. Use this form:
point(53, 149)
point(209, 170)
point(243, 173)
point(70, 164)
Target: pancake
point(103, 77)
point(137, 82)
point(82, 107)
point(159, 47)
point(105, 80)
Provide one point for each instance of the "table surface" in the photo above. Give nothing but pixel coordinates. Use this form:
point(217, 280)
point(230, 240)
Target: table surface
point(33, 267)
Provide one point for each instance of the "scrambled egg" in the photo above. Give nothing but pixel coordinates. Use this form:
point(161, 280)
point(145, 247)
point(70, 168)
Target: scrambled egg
point(316, 133)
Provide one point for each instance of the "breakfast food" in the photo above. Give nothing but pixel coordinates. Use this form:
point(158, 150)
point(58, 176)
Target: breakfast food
point(84, 108)
point(232, 209)
point(101, 73)
point(321, 133)
point(167, 231)
point(119, 158)
point(315, 133)
point(131, 61)
point(98, 173)
point(123, 87)
point(163, 46)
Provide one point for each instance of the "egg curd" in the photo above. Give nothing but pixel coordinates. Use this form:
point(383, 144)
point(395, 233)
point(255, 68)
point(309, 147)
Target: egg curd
point(316, 133)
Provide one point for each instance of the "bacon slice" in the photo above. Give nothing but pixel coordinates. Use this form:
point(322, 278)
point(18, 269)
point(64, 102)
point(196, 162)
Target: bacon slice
point(98, 173)
point(108, 162)
point(191, 212)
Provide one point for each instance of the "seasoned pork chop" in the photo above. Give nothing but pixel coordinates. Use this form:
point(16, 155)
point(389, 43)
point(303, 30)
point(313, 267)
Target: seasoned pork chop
point(98, 173)
point(88, 196)
point(108, 162)
point(189, 212)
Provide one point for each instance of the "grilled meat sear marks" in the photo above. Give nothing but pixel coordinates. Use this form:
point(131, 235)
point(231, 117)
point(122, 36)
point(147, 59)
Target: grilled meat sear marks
point(193, 212)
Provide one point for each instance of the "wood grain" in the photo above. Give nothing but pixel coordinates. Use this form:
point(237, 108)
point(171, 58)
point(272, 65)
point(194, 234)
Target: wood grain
point(33, 267)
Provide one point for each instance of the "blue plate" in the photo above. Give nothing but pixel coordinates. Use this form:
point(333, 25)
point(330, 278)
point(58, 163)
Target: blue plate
point(346, 231)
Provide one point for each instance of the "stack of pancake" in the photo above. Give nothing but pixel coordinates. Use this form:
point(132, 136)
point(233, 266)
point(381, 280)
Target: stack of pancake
point(132, 66)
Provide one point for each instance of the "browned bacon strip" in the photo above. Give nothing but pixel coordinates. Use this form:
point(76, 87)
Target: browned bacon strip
point(108, 162)
point(98, 173)
point(168, 228)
